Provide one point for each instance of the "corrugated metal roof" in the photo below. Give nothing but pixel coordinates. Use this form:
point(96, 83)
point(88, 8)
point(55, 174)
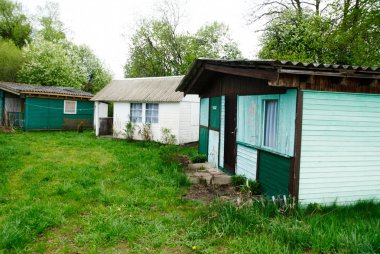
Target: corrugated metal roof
point(28, 88)
point(279, 66)
point(154, 89)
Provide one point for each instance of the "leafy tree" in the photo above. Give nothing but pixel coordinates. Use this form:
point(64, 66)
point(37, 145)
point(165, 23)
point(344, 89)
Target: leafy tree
point(10, 60)
point(97, 76)
point(14, 25)
point(55, 64)
point(51, 27)
point(157, 49)
point(347, 32)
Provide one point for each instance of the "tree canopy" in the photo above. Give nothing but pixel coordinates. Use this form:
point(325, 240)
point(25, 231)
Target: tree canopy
point(157, 49)
point(14, 25)
point(10, 60)
point(343, 32)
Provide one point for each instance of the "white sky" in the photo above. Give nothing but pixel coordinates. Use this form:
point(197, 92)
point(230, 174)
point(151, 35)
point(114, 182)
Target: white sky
point(106, 25)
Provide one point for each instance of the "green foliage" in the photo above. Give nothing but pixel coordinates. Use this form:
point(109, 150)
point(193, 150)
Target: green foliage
point(96, 74)
point(346, 33)
point(145, 131)
point(14, 25)
point(62, 63)
point(198, 158)
point(52, 28)
point(129, 130)
point(157, 49)
point(167, 137)
point(245, 184)
point(10, 60)
point(54, 64)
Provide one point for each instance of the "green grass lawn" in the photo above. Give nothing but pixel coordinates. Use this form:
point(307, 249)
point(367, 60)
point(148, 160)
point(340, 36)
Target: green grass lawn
point(65, 192)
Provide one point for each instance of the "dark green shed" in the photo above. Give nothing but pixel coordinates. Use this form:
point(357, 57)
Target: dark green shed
point(33, 107)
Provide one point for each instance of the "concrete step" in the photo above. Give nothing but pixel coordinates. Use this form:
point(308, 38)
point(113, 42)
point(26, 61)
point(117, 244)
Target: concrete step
point(221, 179)
point(199, 166)
point(215, 171)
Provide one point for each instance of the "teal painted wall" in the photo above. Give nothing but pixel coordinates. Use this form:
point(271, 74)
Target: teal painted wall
point(215, 112)
point(203, 140)
point(203, 118)
point(340, 147)
point(274, 173)
point(44, 114)
point(250, 121)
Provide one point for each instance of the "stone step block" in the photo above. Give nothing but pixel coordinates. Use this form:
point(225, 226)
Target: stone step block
point(199, 166)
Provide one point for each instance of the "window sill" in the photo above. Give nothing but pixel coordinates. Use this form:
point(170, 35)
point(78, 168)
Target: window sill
point(266, 149)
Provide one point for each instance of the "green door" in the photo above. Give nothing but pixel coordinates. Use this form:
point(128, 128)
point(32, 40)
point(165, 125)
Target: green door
point(203, 140)
point(215, 113)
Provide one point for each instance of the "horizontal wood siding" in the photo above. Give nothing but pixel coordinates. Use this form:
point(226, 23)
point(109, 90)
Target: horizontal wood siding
point(222, 129)
point(246, 161)
point(250, 120)
point(340, 150)
point(274, 173)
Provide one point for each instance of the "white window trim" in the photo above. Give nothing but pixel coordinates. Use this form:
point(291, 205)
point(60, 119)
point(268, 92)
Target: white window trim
point(64, 108)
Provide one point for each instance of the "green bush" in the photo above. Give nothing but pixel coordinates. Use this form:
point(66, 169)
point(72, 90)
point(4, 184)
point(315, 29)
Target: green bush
point(238, 180)
point(245, 184)
point(199, 158)
point(10, 60)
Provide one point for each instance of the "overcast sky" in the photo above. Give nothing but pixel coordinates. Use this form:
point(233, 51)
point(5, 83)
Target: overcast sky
point(106, 25)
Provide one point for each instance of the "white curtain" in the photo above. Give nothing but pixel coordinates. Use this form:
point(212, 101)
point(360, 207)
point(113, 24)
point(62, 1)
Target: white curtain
point(270, 128)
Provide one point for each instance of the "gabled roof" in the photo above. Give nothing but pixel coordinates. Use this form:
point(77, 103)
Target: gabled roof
point(151, 89)
point(18, 88)
point(269, 70)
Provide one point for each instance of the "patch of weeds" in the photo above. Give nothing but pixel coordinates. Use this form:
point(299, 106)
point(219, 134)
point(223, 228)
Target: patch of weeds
point(198, 158)
point(244, 184)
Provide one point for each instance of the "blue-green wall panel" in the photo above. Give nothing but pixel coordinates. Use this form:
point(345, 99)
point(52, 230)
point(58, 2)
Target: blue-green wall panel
point(203, 119)
point(250, 120)
point(215, 112)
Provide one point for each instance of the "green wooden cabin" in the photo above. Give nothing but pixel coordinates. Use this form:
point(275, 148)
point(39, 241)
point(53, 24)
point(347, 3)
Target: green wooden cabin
point(33, 107)
point(311, 131)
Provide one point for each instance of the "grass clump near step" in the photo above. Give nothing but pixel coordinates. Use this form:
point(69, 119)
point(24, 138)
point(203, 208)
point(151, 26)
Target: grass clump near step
point(198, 158)
point(244, 184)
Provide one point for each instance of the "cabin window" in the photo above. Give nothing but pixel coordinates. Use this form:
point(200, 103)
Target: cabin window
point(136, 112)
point(70, 107)
point(270, 123)
point(151, 113)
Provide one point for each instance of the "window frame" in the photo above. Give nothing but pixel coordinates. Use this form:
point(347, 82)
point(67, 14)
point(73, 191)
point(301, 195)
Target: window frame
point(151, 116)
point(134, 110)
point(264, 123)
point(65, 108)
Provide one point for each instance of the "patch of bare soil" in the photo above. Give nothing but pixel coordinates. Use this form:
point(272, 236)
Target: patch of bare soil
point(209, 193)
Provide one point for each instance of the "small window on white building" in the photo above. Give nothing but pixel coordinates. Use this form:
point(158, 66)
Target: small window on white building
point(70, 107)
point(270, 123)
point(151, 113)
point(136, 112)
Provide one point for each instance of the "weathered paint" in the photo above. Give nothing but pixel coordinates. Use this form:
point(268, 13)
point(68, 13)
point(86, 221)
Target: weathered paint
point(222, 130)
point(274, 173)
point(203, 140)
point(204, 112)
point(250, 121)
point(1, 106)
point(340, 151)
point(44, 114)
point(246, 161)
point(213, 147)
point(215, 112)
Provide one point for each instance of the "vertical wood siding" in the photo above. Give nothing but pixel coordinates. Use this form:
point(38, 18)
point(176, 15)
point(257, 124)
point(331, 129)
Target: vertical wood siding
point(1, 107)
point(222, 130)
point(246, 161)
point(274, 173)
point(215, 112)
point(204, 112)
point(250, 120)
point(340, 149)
point(203, 140)
point(213, 147)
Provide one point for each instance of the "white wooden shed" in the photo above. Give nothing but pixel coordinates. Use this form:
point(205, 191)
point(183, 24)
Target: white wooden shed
point(154, 101)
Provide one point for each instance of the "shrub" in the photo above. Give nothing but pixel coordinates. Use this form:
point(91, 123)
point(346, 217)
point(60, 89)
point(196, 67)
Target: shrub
point(199, 158)
point(245, 184)
point(129, 130)
point(146, 132)
point(168, 137)
point(238, 180)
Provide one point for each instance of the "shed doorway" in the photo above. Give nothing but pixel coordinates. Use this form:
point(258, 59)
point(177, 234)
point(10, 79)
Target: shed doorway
point(230, 134)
